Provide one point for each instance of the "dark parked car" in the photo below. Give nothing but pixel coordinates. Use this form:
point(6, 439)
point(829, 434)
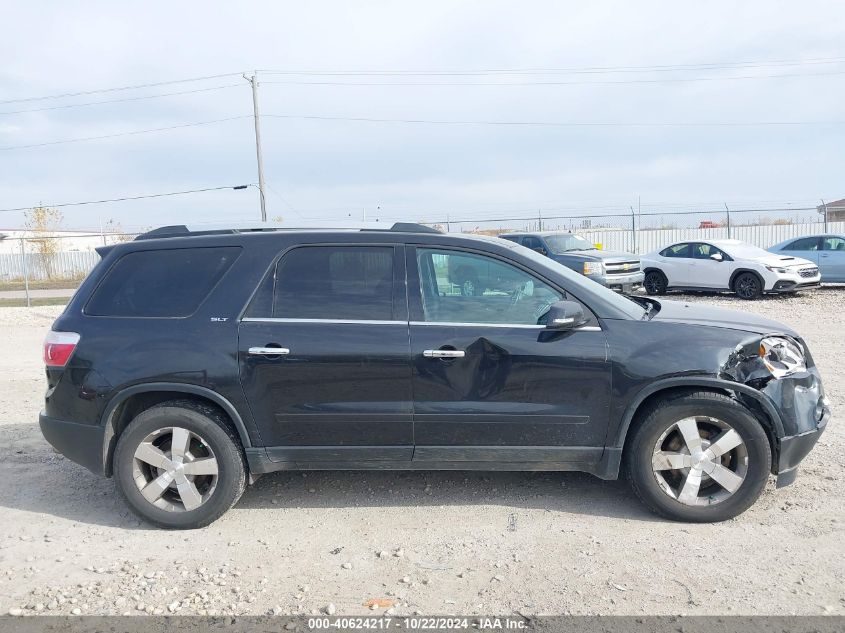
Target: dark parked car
point(191, 362)
point(615, 269)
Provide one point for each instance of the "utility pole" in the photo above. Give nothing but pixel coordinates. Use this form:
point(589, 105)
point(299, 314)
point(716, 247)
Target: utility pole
point(824, 206)
point(729, 219)
point(633, 231)
point(255, 114)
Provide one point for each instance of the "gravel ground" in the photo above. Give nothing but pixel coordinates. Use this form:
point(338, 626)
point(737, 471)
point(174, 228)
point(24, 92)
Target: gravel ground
point(432, 543)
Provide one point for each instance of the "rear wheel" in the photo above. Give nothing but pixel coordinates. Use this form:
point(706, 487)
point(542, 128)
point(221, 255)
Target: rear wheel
point(699, 457)
point(655, 283)
point(748, 286)
point(178, 465)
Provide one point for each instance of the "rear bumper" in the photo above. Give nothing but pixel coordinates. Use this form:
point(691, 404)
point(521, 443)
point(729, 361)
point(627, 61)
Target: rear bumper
point(80, 443)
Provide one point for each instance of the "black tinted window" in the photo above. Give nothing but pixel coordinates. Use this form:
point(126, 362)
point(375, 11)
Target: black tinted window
point(533, 243)
point(161, 283)
point(703, 250)
point(804, 244)
point(678, 250)
point(328, 282)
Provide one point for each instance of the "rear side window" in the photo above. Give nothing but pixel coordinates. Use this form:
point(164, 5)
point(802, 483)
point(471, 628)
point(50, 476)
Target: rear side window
point(161, 283)
point(678, 250)
point(335, 282)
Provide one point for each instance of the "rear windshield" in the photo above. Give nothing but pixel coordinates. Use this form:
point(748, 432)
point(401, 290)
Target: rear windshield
point(161, 283)
point(564, 243)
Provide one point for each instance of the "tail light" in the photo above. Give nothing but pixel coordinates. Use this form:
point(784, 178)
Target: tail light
point(58, 347)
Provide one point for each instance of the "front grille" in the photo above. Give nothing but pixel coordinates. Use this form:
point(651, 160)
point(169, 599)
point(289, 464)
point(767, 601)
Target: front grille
point(809, 272)
point(622, 268)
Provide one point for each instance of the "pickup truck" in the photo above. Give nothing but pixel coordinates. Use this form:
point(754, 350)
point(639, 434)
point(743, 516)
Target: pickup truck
point(617, 270)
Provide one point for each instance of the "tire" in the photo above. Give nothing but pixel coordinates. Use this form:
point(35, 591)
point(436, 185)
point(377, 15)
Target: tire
point(655, 282)
point(748, 286)
point(191, 491)
point(662, 484)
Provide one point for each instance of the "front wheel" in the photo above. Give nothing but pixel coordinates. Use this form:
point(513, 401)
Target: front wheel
point(748, 286)
point(698, 457)
point(178, 465)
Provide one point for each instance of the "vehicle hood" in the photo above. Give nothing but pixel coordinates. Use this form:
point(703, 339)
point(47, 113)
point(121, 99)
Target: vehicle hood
point(779, 260)
point(599, 255)
point(700, 314)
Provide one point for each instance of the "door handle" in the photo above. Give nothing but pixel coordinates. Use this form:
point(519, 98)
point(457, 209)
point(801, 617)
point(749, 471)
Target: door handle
point(269, 351)
point(444, 353)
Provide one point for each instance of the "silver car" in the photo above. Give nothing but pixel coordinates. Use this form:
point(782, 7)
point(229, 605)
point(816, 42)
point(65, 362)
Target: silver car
point(826, 251)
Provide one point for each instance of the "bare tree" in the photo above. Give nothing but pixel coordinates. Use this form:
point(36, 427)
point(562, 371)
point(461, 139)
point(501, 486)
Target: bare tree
point(114, 234)
point(42, 223)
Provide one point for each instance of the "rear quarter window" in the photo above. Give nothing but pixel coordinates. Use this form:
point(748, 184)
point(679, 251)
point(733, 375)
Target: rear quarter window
point(161, 283)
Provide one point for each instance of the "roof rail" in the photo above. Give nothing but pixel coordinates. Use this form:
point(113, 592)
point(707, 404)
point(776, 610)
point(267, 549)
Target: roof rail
point(185, 230)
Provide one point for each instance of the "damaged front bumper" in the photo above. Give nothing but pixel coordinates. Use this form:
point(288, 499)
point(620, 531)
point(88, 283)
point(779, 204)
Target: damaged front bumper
point(798, 398)
point(793, 448)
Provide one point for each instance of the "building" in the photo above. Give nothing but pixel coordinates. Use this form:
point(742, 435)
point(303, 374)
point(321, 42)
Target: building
point(835, 210)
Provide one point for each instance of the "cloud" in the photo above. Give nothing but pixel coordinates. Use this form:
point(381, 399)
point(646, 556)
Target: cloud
point(326, 168)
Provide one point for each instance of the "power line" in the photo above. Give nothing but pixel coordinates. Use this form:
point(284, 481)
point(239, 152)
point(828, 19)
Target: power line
point(547, 83)
point(117, 134)
point(118, 89)
point(95, 103)
point(563, 71)
point(127, 198)
point(482, 72)
point(550, 124)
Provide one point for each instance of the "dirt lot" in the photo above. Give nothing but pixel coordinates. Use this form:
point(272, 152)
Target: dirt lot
point(466, 543)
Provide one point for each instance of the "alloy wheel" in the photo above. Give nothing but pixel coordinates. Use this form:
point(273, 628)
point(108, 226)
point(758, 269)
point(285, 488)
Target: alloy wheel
point(175, 469)
point(700, 461)
point(747, 287)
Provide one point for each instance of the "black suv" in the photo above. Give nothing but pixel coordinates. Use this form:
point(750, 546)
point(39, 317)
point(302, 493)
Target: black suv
point(189, 362)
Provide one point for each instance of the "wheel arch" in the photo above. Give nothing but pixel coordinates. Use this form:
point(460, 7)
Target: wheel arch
point(129, 402)
point(752, 399)
point(740, 271)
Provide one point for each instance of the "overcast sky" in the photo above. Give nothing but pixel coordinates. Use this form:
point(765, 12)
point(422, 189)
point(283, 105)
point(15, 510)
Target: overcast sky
point(331, 169)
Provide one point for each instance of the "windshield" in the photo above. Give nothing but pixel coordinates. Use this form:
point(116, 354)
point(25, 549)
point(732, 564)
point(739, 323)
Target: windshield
point(564, 242)
point(745, 251)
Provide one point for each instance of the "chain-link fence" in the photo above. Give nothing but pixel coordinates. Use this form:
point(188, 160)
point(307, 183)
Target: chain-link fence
point(26, 261)
point(646, 231)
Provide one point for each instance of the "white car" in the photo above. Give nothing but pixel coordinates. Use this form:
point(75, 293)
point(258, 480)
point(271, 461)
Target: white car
point(733, 265)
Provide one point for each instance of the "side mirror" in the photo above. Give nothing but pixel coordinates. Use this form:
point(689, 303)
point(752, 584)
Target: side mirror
point(539, 249)
point(716, 257)
point(565, 315)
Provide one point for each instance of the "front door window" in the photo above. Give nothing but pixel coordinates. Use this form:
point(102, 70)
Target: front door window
point(459, 287)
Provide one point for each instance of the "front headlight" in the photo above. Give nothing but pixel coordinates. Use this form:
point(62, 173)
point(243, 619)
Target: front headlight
point(775, 269)
point(593, 268)
point(782, 356)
